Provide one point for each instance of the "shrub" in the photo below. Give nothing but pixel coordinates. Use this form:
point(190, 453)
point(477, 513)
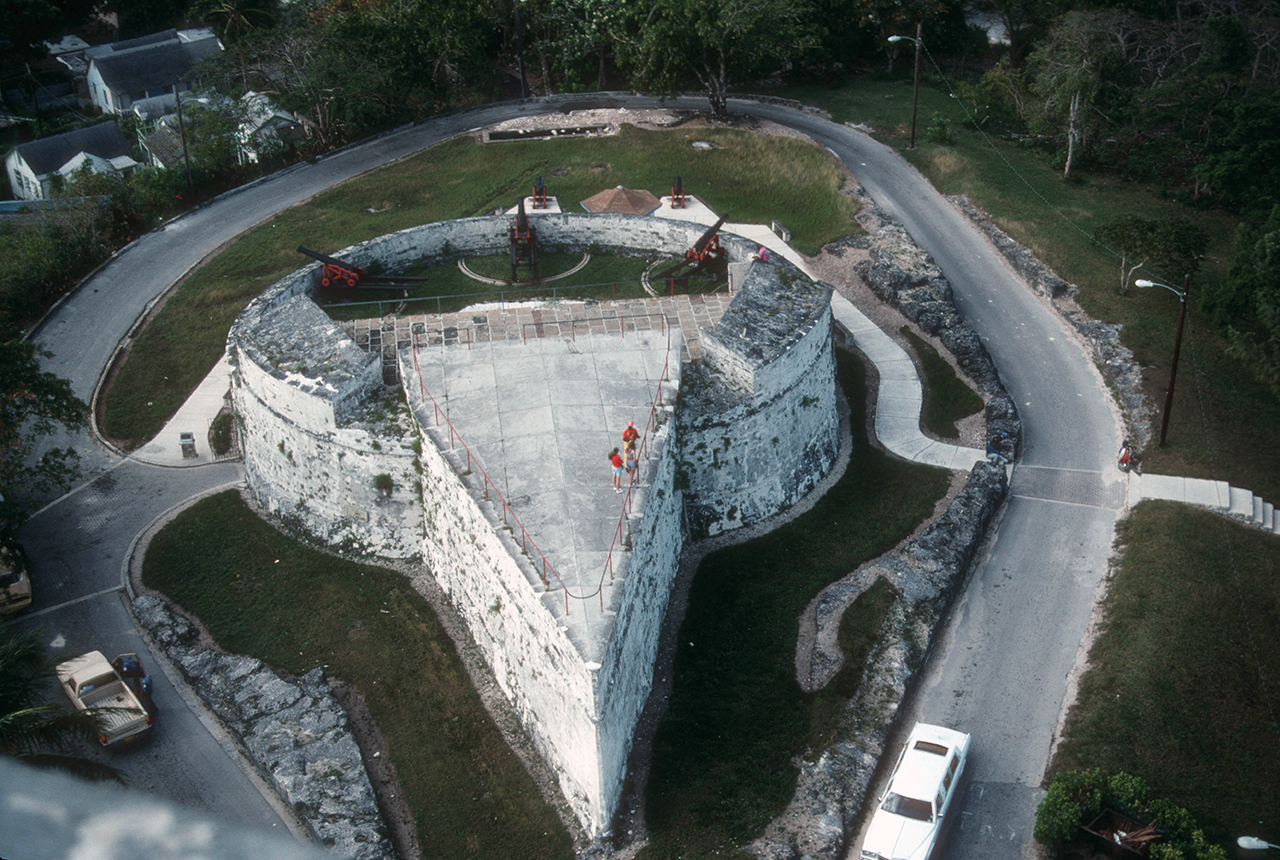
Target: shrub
point(1073, 799)
point(939, 130)
point(220, 433)
point(383, 484)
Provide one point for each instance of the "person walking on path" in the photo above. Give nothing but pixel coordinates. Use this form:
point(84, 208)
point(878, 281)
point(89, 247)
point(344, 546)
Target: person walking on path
point(630, 435)
point(615, 460)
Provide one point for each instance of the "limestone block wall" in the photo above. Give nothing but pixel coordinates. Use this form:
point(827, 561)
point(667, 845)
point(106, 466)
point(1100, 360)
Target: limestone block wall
point(761, 428)
point(299, 388)
point(580, 714)
point(625, 676)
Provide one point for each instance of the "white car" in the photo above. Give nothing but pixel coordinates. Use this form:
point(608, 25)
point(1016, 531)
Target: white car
point(909, 818)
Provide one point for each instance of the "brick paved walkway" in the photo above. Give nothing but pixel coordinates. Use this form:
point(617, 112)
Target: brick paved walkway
point(389, 334)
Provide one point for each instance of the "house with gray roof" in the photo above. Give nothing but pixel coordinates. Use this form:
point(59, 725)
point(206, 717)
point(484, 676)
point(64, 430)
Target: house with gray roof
point(35, 168)
point(121, 73)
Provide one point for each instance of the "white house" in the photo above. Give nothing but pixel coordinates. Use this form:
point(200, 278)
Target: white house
point(264, 129)
point(123, 72)
point(35, 167)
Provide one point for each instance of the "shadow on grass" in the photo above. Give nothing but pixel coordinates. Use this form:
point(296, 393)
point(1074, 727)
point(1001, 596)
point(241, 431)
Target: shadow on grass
point(724, 755)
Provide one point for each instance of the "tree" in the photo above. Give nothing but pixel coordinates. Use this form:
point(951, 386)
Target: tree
point(33, 404)
point(1078, 68)
point(33, 730)
point(1174, 246)
point(1254, 295)
point(1242, 159)
point(233, 20)
point(573, 30)
point(718, 42)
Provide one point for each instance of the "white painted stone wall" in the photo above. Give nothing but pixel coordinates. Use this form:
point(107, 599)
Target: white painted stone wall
point(298, 385)
point(580, 715)
point(625, 677)
point(770, 431)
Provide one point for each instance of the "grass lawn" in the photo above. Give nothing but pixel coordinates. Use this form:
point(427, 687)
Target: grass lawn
point(1222, 420)
point(470, 795)
point(723, 756)
point(949, 399)
point(1184, 683)
point(752, 177)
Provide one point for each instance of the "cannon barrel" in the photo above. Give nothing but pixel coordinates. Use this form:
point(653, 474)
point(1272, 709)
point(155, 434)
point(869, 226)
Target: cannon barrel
point(701, 244)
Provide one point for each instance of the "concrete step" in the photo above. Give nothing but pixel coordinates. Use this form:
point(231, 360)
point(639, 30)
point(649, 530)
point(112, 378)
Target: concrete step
point(1268, 516)
point(1241, 503)
point(1257, 509)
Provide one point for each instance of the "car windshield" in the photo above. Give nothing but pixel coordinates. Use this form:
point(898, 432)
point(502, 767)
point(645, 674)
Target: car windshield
point(908, 807)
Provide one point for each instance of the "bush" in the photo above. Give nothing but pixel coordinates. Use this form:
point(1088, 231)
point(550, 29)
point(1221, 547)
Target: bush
point(939, 130)
point(220, 432)
point(1075, 798)
point(383, 484)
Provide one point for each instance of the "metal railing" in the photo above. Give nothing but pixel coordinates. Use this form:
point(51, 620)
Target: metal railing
point(490, 490)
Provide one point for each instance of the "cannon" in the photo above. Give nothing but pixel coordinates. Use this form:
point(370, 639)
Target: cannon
point(522, 240)
point(334, 270)
point(338, 273)
point(706, 256)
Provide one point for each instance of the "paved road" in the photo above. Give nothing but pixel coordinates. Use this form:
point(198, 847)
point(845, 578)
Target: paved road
point(1001, 666)
point(1000, 670)
point(79, 547)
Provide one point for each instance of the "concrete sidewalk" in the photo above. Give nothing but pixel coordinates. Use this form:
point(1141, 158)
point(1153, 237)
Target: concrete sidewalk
point(1215, 495)
point(194, 417)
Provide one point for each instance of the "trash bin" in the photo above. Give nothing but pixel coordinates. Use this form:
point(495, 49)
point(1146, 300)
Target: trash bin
point(188, 443)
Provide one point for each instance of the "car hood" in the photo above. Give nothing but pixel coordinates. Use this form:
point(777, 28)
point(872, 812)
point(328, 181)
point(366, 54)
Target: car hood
point(899, 838)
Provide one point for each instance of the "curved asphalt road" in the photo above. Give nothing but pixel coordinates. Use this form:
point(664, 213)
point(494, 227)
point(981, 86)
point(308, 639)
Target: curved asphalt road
point(1000, 666)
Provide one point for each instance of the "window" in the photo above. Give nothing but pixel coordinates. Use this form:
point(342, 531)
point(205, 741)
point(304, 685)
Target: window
point(931, 747)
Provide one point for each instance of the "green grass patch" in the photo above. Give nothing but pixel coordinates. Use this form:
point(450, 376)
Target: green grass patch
point(1221, 415)
point(947, 398)
point(723, 763)
point(1185, 674)
point(470, 795)
point(751, 177)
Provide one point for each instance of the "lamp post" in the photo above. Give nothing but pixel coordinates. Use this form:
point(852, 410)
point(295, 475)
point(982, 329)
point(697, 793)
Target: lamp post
point(1253, 843)
point(1177, 345)
point(915, 87)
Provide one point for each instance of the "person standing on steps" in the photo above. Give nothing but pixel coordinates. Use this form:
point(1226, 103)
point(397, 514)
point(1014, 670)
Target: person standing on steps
point(615, 460)
point(630, 435)
point(632, 463)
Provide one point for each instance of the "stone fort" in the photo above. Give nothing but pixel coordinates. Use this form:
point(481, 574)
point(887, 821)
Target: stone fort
point(495, 475)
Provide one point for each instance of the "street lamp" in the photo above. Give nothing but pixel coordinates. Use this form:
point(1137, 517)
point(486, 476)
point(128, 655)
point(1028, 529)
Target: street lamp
point(1177, 345)
point(915, 89)
point(1254, 843)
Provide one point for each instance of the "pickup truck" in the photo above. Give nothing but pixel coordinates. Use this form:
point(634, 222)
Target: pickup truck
point(118, 692)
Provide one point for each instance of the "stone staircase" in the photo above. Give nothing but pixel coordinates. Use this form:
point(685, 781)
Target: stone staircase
point(1237, 503)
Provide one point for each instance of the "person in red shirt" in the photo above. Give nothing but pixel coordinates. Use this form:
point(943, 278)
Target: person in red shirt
point(615, 460)
point(630, 435)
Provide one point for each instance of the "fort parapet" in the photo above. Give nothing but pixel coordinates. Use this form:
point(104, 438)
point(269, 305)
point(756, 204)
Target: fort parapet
point(734, 438)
